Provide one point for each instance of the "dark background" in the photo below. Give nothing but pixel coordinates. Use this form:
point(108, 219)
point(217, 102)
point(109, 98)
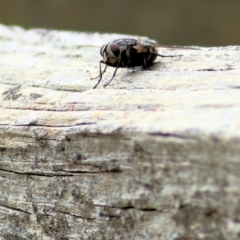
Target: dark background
point(178, 22)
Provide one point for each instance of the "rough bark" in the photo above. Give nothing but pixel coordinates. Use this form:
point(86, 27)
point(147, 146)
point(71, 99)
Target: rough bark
point(155, 155)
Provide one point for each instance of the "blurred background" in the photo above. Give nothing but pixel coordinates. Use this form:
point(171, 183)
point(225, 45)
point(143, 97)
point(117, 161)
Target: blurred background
point(175, 22)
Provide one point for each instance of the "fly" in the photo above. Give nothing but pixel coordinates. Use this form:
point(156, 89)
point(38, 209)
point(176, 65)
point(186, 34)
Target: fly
point(128, 52)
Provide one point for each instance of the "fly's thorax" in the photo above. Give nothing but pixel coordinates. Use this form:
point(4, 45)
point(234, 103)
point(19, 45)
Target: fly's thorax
point(111, 54)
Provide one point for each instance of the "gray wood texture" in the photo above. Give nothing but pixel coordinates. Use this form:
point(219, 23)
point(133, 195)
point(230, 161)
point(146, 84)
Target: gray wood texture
point(155, 155)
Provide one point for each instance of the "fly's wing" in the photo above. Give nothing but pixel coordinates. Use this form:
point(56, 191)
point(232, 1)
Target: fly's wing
point(144, 45)
point(125, 42)
point(154, 44)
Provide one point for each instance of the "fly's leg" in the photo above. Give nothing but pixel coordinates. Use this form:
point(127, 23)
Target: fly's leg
point(100, 74)
point(113, 74)
point(169, 55)
point(104, 70)
point(145, 64)
point(112, 77)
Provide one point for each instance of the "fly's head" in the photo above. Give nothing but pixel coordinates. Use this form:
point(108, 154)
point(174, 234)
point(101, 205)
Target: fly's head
point(111, 54)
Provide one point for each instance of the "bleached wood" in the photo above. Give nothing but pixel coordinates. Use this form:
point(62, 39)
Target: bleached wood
point(155, 155)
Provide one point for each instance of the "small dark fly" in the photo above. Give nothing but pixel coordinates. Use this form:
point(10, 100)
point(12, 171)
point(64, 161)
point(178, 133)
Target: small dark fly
point(128, 52)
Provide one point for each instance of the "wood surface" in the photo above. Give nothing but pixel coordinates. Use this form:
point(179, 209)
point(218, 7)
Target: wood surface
point(155, 155)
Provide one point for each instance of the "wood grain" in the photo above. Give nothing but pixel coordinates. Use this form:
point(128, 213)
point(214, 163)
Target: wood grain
point(155, 155)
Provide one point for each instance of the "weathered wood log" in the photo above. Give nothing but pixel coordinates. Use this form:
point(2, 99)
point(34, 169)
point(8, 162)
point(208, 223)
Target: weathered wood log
point(155, 155)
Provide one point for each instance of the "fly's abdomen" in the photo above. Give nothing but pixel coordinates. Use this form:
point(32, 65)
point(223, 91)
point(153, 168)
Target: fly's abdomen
point(144, 59)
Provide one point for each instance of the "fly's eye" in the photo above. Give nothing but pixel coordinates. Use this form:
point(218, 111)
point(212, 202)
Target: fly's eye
point(103, 49)
point(115, 49)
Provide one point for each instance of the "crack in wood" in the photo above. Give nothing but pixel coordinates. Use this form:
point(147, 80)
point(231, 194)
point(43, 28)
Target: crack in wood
point(37, 174)
point(77, 216)
point(55, 126)
point(14, 208)
point(128, 207)
point(100, 169)
point(162, 134)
